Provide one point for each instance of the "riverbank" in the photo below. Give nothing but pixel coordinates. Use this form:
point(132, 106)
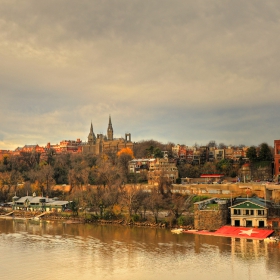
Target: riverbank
point(82, 219)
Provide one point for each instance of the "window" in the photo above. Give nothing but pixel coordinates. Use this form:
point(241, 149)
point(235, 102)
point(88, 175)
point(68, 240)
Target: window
point(251, 212)
point(260, 212)
point(236, 211)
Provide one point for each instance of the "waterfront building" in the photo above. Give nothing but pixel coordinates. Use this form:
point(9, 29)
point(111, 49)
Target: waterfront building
point(211, 214)
point(39, 203)
point(249, 212)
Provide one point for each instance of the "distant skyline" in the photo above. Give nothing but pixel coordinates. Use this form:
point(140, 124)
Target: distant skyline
point(174, 71)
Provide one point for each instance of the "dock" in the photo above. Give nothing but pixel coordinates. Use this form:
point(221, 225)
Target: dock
point(237, 232)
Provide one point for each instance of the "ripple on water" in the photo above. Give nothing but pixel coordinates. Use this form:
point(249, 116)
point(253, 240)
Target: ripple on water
point(64, 256)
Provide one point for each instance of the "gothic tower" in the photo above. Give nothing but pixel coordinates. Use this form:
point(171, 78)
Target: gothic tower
point(91, 136)
point(110, 130)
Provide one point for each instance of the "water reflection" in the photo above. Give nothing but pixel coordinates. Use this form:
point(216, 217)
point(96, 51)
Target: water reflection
point(84, 251)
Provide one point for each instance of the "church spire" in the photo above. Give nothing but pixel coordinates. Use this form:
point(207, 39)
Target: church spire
point(91, 136)
point(110, 130)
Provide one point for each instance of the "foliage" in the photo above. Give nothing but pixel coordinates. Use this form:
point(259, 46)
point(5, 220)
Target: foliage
point(149, 148)
point(189, 170)
point(251, 153)
point(135, 218)
point(198, 198)
point(224, 166)
point(181, 221)
point(126, 151)
point(74, 206)
point(265, 153)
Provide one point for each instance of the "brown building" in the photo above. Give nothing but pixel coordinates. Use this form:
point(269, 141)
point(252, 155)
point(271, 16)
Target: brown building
point(161, 167)
point(69, 146)
point(103, 143)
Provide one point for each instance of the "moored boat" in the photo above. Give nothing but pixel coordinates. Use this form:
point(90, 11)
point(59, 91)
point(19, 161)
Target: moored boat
point(272, 239)
point(177, 230)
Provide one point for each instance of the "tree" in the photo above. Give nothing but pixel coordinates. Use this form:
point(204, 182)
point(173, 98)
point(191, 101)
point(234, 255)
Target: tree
point(251, 154)
point(265, 152)
point(62, 166)
point(189, 170)
point(222, 146)
point(124, 157)
point(47, 178)
point(212, 144)
point(143, 149)
point(8, 183)
point(106, 173)
point(209, 168)
point(224, 166)
point(176, 204)
point(131, 199)
point(155, 203)
point(43, 179)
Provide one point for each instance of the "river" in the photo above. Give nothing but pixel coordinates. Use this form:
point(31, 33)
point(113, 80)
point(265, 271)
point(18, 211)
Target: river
point(55, 250)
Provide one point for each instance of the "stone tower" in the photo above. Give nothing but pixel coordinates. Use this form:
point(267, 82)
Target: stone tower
point(91, 136)
point(110, 130)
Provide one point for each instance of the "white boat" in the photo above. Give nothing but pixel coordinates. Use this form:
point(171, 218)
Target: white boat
point(177, 230)
point(271, 239)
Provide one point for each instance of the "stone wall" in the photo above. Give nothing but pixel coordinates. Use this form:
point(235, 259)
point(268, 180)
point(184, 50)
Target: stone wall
point(211, 219)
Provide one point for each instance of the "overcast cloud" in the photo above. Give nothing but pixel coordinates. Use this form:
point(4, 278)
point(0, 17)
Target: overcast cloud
point(174, 71)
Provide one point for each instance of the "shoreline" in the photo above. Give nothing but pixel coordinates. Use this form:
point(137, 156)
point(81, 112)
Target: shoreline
point(82, 220)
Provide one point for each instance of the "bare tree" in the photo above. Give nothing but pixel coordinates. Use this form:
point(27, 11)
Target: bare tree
point(155, 203)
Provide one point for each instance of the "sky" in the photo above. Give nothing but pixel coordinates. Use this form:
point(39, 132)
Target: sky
point(179, 71)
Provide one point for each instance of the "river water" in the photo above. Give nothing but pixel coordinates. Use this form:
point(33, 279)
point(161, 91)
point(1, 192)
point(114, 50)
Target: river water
point(55, 250)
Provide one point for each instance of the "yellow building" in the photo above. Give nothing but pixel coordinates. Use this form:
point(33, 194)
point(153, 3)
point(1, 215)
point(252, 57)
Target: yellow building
point(161, 167)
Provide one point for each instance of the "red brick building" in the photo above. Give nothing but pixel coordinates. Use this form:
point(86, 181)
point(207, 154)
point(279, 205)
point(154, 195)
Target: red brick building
point(277, 159)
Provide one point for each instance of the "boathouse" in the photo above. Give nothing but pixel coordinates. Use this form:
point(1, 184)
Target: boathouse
point(211, 214)
point(249, 212)
point(39, 203)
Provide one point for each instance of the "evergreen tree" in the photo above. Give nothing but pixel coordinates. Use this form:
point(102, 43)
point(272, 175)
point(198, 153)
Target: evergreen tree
point(251, 154)
point(265, 153)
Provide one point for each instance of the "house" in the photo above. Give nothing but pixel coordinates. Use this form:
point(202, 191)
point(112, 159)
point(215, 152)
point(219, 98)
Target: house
point(140, 165)
point(39, 203)
point(249, 212)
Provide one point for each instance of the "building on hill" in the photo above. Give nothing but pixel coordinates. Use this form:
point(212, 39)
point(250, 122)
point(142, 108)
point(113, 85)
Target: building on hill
point(29, 149)
point(140, 165)
point(98, 144)
point(162, 167)
point(69, 146)
point(277, 160)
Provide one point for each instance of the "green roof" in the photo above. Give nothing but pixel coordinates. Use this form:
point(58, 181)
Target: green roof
point(248, 205)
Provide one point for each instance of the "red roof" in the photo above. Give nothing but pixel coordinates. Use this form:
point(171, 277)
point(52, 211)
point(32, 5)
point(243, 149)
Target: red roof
point(238, 232)
point(211, 175)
